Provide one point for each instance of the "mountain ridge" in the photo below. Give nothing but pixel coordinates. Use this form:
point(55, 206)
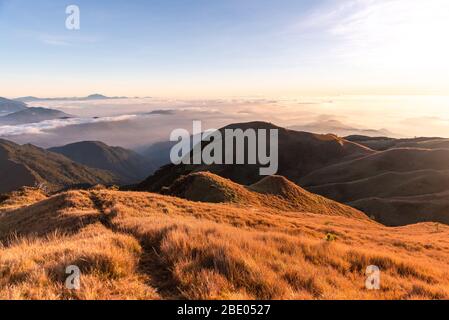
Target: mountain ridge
point(94, 96)
point(10, 106)
point(299, 154)
point(28, 165)
point(33, 115)
point(126, 164)
point(140, 245)
point(274, 191)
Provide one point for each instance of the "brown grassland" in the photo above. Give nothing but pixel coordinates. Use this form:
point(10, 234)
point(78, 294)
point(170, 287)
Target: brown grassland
point(139, 245)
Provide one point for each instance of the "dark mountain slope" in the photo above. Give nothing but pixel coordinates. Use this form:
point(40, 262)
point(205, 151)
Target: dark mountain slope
point(28, 165)
point(385, 143)
point(397, 186)
point(129, 166)
point(299, 154)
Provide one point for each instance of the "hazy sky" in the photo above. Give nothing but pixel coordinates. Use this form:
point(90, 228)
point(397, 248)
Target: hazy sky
point(213, 48)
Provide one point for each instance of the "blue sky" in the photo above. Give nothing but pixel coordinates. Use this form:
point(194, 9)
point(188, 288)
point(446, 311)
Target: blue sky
point(208, 48)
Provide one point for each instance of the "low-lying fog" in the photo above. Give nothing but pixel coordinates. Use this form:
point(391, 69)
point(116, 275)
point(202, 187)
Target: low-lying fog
point(136, 123)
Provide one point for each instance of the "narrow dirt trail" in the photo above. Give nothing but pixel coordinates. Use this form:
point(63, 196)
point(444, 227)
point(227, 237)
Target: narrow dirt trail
point(151, 264)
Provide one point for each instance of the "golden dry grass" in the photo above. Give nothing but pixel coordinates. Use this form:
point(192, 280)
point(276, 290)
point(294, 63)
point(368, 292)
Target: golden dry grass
point(35, 268)
point(132, 245)
point(274, 192)
point(25, 196)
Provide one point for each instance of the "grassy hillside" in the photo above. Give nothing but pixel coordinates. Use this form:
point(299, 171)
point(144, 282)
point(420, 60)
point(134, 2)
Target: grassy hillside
point(27, 165)
point(274, 192)
point(299, 154)
point(129, 166)
point(385, 143)
point(148, 246)
point(397, 186)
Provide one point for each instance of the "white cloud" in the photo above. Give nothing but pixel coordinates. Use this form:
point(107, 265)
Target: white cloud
point(42, 127)
point(400, 40)
point(65, 40)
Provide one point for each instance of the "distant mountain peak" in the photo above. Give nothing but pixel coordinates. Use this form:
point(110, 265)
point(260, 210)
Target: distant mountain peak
point(337, 127)
point(10, 106)
point(256, 125)
point(33, 115)
point(97, 96)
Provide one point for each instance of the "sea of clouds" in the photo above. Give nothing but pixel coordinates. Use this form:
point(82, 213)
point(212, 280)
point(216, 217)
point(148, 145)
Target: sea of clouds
point(139, 122)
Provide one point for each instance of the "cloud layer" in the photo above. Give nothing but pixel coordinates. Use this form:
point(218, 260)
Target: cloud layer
point(134, 123)
point(42, 127)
